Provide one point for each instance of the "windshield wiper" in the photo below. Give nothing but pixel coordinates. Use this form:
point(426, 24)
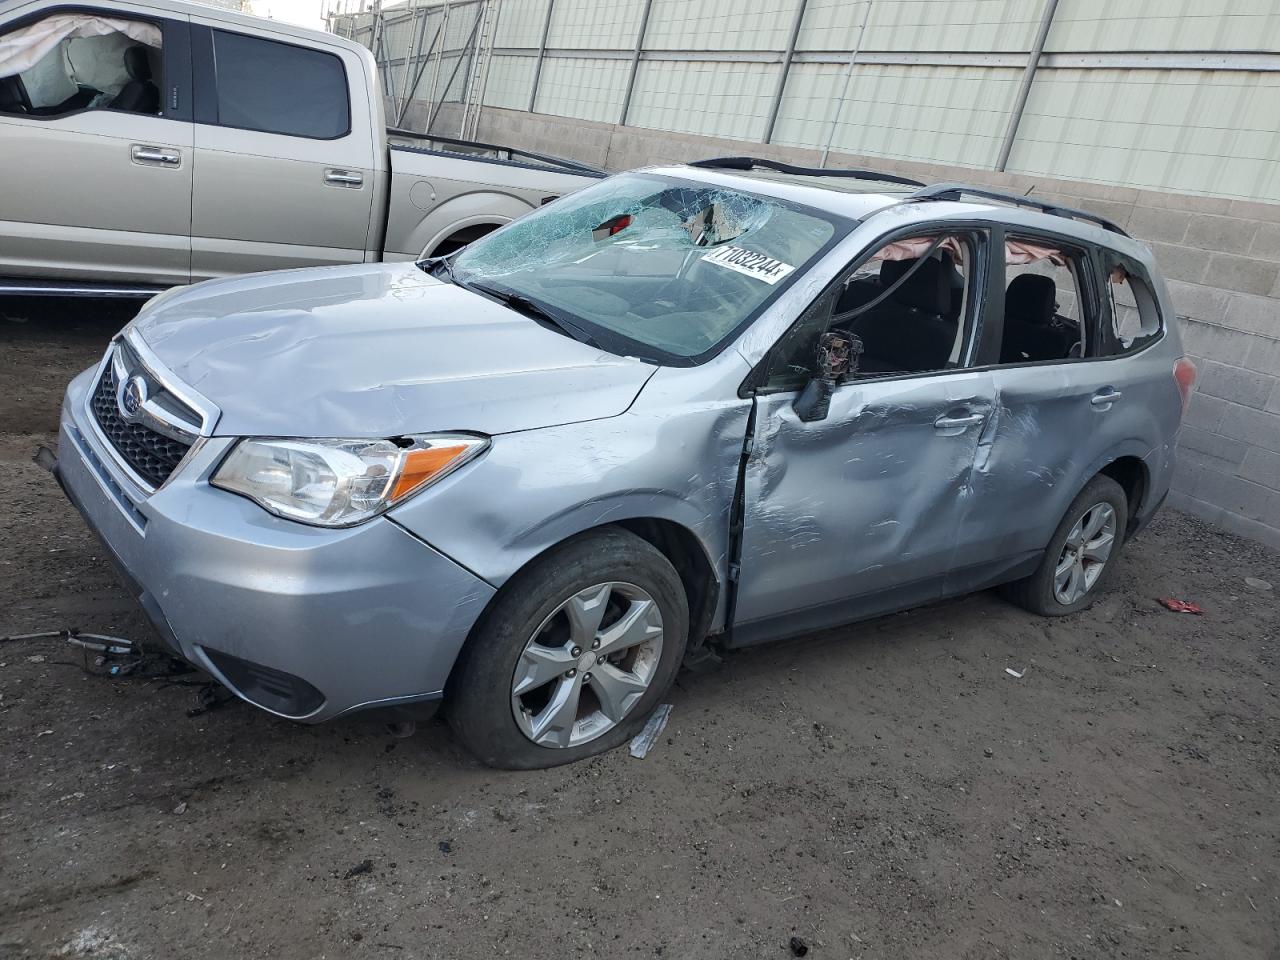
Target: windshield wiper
point(448, 268)
point(536, 311)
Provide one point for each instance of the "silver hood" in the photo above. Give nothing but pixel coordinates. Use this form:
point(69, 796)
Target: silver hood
point(376, 350)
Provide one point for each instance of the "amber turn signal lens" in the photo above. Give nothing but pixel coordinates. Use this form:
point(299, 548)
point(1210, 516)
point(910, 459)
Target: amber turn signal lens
point(419, 466)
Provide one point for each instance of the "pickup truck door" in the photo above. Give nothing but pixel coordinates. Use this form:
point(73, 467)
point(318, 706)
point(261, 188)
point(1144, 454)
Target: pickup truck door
point(94, 193)
point(285, 154)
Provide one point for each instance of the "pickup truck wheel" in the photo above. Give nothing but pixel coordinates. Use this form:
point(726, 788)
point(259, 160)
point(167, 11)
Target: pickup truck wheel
point(1081, 554)
point(573, 656)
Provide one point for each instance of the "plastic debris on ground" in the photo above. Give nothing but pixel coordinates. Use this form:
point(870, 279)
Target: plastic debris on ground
point(1255, 583)
point(798, 947)
point(646, 738)
point(1016, 674)
point(1179, 606)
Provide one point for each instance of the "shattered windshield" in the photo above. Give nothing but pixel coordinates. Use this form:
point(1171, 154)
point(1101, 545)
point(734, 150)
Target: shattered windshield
point(653, 266)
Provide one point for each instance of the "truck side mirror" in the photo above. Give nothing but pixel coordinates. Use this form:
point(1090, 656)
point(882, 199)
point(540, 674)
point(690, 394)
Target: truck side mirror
point(837, 356)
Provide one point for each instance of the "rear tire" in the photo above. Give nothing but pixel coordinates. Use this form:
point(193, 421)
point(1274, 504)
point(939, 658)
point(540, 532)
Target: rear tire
point(508, 699)
point(1079, 559)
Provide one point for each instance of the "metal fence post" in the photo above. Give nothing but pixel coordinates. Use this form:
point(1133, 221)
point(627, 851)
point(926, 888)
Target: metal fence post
point(787, 57)
point(1028, 77)
point(844, 91)
point(542, 54)
point(635, 62)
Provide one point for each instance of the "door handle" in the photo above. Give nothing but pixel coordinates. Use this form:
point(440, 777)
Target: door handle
point(1105, 397)
point(945, 422)
point(344, 178)
point(156, 156)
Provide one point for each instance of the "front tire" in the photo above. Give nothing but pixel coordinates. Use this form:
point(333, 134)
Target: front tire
point(573, 655)
point(1080, 555)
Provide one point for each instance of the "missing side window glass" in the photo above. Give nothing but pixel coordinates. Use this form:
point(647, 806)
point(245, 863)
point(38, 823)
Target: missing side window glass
point(1135, 315)
point(1044, 303)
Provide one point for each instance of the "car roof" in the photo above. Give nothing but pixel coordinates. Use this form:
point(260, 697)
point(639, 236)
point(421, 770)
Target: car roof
point(860, 198)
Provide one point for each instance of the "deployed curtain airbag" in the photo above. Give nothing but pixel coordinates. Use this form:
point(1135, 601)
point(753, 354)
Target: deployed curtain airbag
point(24, 48)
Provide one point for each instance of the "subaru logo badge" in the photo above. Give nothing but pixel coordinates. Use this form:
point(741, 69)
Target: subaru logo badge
point(132, 397)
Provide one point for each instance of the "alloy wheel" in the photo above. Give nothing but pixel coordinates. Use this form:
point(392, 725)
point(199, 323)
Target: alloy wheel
point(588, 665)
point(1085, 553)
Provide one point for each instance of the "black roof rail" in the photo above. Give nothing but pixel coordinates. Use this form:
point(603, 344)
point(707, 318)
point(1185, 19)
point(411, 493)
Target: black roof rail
point(750, 163)
point(955, 191)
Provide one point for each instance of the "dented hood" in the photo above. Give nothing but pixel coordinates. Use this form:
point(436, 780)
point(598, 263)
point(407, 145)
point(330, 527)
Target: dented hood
point(376, 350)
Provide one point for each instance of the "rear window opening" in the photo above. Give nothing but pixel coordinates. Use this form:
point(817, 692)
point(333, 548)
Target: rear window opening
point(1135, 314)
point(1044, 302)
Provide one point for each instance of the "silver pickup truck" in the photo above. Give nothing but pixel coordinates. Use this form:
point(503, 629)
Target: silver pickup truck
point(163, 143)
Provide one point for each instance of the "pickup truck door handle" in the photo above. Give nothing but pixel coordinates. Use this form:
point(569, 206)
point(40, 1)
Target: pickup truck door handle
point(947, 422)
point(1105, 397)
point(344, 178)
point(155, 156)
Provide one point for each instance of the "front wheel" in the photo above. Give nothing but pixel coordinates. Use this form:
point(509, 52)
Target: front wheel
point(573, 656)
point(1080, 555)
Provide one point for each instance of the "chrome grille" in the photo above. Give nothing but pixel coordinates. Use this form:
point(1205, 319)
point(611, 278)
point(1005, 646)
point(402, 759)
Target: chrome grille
point(150, 454)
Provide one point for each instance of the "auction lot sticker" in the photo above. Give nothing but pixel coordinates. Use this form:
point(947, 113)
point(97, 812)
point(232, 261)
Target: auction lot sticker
point(758, 265)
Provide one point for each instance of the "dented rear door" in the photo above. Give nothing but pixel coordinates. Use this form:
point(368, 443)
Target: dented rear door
point(859, 513)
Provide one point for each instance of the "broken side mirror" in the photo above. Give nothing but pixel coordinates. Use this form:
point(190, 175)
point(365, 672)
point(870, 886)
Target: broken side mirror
point(837, 357)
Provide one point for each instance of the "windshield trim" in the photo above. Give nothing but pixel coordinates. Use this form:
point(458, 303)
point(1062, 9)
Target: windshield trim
point(618, 343)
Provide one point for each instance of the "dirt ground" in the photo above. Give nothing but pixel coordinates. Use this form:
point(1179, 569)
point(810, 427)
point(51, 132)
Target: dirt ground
point(884, 791)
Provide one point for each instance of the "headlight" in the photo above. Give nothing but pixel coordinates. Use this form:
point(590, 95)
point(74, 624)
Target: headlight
point(337, 483)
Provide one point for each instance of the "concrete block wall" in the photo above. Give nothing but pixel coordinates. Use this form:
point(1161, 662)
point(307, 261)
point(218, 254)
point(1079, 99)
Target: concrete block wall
point(1221, 258)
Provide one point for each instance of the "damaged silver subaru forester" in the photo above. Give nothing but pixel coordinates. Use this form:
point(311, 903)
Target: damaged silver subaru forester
point(696, 405)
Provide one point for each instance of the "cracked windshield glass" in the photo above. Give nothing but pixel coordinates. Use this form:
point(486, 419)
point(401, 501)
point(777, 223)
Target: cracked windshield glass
point(650, 266)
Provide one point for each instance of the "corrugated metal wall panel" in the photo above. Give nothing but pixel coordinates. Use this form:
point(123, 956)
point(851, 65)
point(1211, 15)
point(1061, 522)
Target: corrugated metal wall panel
point(719, 24)
point(1173, 130)
point(945, 114)
point(510, 80)
point(520, 24)
point(970, 25)
point(582, 88)
point(1165, 25)
point(591, 25)
point(719, 100)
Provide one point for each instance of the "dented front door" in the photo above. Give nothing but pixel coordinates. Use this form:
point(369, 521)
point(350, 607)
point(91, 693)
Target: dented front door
point(858, 513)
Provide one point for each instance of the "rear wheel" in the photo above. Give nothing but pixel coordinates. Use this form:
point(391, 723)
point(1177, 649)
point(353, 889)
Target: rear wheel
point(573, 656)
point(1080, 555)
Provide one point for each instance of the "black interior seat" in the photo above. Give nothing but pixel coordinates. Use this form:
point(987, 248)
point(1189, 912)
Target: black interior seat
point(13, 95)
point(139, 94)
point(911, 331)
point(1031, 332)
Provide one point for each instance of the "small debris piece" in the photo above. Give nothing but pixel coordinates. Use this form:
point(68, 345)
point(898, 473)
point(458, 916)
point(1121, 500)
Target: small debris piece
point(646, 738)
point(1014, 673)
point(1255, 583)
point(445, 846)
point(402, 729)
point(988, 752)
point(37, 658)
point(798, 947)
point(1179, 606)
point(364, 866)
point(180, 809)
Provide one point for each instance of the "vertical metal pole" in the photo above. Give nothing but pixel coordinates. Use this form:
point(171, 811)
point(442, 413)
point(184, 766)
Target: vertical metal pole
point(435, 73)
point(1028, 77)
point(786, 69)
point(487, 63)
point(473, 64)
point(635, 62)
point(406, 66)
point(844, 90)
point(542, 54)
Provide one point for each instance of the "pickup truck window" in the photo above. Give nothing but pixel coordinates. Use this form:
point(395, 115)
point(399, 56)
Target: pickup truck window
point(69, 62)
point(277, 87)
point(670, 267)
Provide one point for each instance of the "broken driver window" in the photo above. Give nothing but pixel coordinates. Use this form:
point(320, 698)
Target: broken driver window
point(650, 265)
point(906, 309)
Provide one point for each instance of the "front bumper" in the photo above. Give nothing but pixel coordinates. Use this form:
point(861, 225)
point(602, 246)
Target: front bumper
point(305, 622)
